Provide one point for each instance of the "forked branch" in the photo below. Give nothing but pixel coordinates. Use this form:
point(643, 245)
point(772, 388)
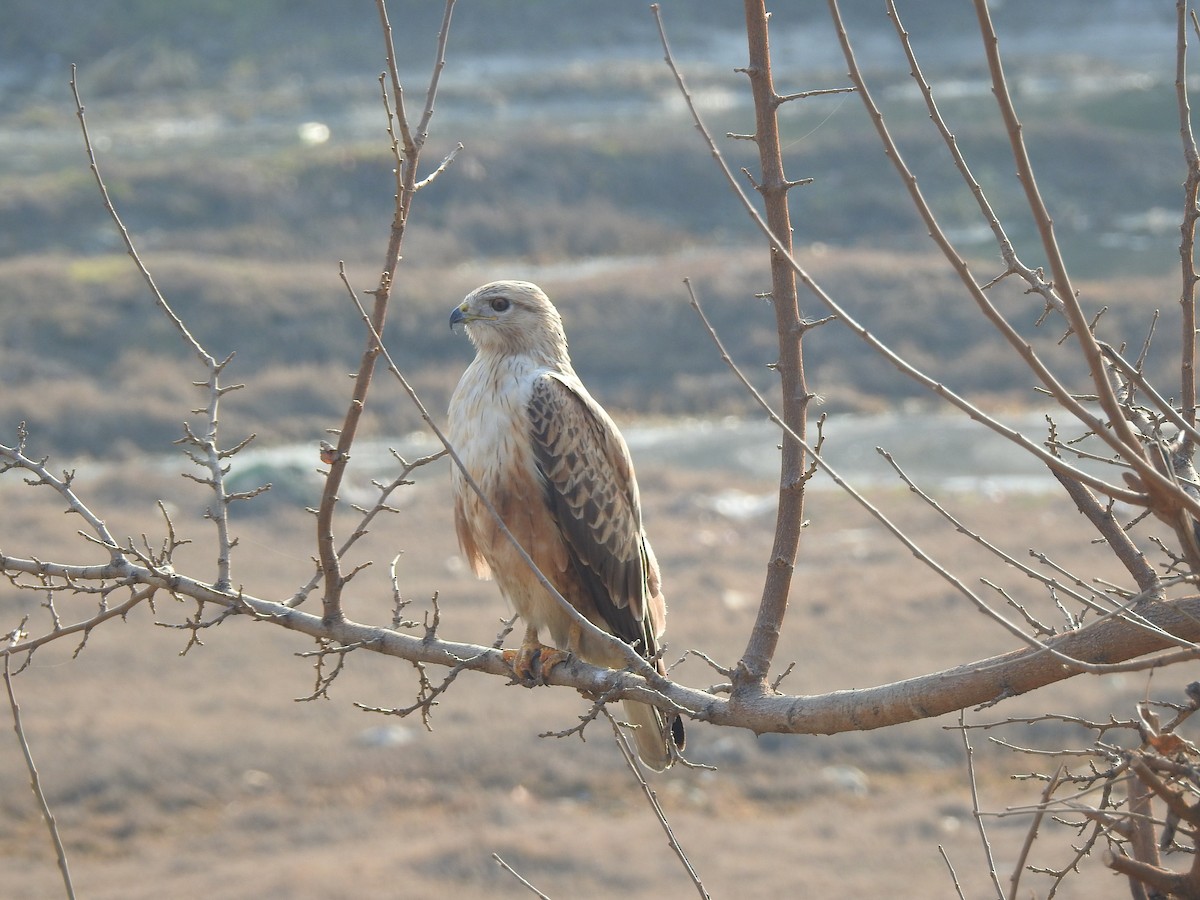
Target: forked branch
point(202, 447)
point(408, 151)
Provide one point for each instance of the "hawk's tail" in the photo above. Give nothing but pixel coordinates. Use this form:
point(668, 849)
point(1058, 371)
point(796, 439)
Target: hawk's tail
point(659, 739)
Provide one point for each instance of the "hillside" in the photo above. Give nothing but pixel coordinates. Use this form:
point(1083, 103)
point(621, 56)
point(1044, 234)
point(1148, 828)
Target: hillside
point(580, 170)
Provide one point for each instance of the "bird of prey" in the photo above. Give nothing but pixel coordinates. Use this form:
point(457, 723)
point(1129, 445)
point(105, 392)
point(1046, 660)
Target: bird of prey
point(552, 463)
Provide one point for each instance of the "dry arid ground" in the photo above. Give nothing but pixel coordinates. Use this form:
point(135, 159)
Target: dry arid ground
point(201, 776)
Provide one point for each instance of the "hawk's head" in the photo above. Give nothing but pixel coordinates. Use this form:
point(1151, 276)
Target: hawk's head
point(512, 317)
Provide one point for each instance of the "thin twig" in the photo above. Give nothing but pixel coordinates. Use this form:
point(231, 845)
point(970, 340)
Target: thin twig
point(648, 792)
point(1120, 436)
point(331, 568)
point(1123, 433)
point(381, 506)
point(1014, 880)
point(975, 808)
point(953, 875)
point(820, 92)
point(1123, 610)
point(515, 874)
point(14, 457)
point(125, 237)
point(1032, 277)
point(36, 783)
point(1135, 376)
point(978, 538)
point(85, 627)
point(445, 164)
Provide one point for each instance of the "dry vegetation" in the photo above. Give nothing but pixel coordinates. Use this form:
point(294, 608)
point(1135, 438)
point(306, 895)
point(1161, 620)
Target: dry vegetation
point(199, 775)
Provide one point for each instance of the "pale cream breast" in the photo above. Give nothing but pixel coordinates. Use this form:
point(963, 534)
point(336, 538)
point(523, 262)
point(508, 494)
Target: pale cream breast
point(488, 429)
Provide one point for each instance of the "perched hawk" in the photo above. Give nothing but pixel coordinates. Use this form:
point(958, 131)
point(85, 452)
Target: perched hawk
point(556, 469)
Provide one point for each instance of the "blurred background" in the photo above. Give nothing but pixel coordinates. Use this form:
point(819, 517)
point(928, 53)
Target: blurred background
point(244, 145)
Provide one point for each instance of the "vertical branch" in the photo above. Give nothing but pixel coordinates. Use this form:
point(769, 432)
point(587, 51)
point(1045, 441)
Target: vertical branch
point(36, 783)
point(408, 150)
point(1141, 821)
point(756, 660)
point(1014, 880)
point(1187, 243)
point(975, 811)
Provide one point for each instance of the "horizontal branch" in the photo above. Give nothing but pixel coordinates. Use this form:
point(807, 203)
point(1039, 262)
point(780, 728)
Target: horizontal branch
point(978, 683)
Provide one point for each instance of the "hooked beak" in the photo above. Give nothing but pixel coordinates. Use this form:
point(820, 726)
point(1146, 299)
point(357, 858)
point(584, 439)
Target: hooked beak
point(458, 317)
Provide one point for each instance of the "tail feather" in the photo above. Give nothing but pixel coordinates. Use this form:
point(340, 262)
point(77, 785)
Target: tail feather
point(657, 740)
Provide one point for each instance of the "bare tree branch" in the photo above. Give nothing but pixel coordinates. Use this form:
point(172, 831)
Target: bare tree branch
point(1014, 880)
point(208, 455)
point(407, 179)
point(517, 875)
point(1045, 226)
point(652, 798)
point(789, 514)
point(900, 535)
point(35, 783)
point(969, 752)
point(1191, 213)
point(940, 390)
point(1117, 434)
point(984, 682)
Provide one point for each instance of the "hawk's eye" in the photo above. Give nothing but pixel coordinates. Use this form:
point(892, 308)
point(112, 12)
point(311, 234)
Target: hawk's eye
point(499, 304)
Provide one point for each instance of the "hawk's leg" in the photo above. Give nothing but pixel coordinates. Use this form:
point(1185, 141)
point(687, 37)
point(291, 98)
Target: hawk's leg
point(533, 662)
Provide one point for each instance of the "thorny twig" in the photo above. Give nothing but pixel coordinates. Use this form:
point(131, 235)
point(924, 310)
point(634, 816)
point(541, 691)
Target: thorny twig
point(408, 153)
point(368, 516)
point(326, 677)
point(207, 454)
point(427, 692)
point(1014, 880)
point(598, 706)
